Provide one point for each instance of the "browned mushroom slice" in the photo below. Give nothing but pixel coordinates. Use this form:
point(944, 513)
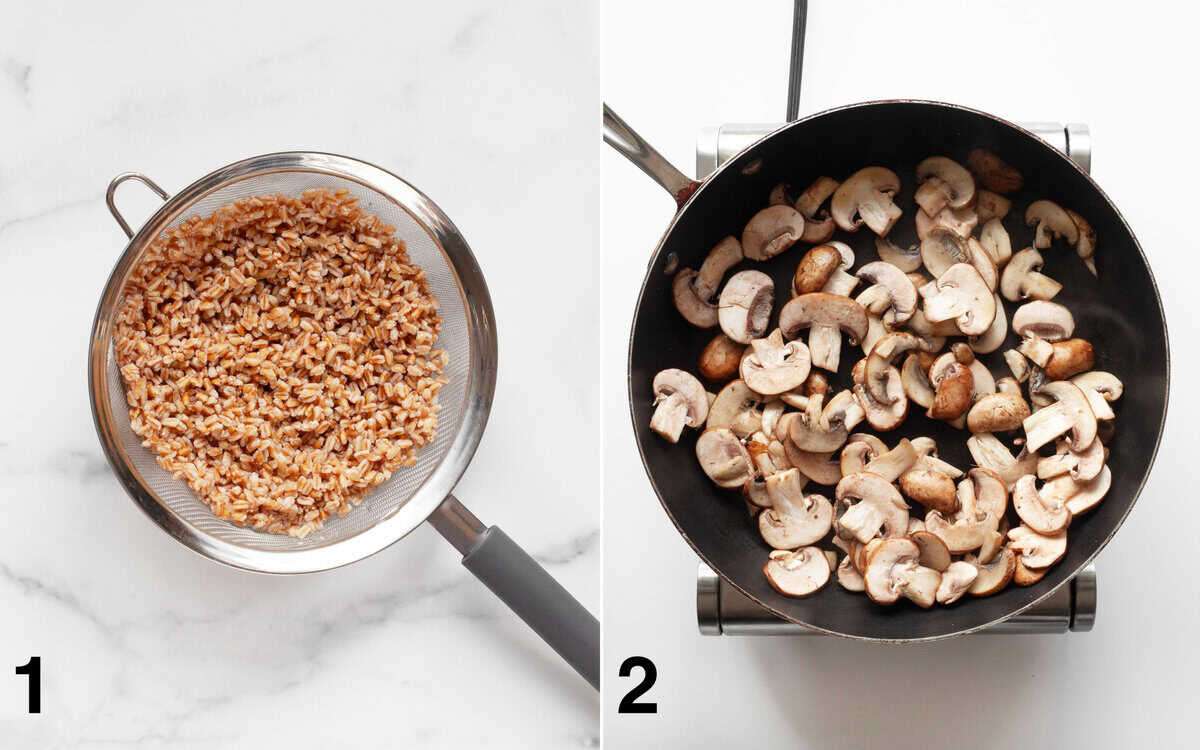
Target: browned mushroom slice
point(991, 206)
point(1070, 412)
point(932, 489)
point(1085, 247)
point(1069, 358)
point(934, 553)
point(995, 173)
point(694, 290)
point(744, 308)
point(818, 224)
point(915, 382)
point(721, 358)
point(954, 386)
point(680, 402)
point(798, 573)
point(723, 458)
point(849, 577)
point(826, 316)
point(1023, 576)
point(866, 198)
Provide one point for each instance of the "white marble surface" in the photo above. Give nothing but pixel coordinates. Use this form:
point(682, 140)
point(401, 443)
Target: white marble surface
point(490, 110)
point(1120, 68)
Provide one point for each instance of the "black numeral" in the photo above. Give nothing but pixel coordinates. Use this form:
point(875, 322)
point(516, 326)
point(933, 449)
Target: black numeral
point(629, 704)
point(33, 670)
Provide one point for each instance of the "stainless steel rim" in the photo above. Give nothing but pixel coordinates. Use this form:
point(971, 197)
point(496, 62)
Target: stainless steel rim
point(481, 374)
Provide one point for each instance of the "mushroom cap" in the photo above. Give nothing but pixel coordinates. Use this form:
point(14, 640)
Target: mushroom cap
point(1070, 411)
point(944, 182)
point(699, 312)
point(883, 577)
point(738, 408)
point(995, 575)
point(1037, 551)
point(1023, 576)
point(1046, 320)
point(1051, 221)
point(907, 259)
point(1021, 278)
point(815, 268)
point(934, 553)
point(996, 174)
point(798, 573)
point(744, 307)
point(901, 294)
point(956, 579)
point(997, 412)
point(723, 458)
point(880, 510)
point(755, 492)
point(996, 334)
point(1069, 358)
point(953, 387)
point(1042, 514)
point(721, 358)
point(794, 519)
point(866, 198)
point(823, 310)
point(1086, 246)
point(771, 231)
point(962, 295)
point(932, 489)
point(771, 367)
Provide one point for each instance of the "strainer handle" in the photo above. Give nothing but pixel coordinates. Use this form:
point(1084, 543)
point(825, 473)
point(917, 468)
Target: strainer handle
point(109, 197)
point(525, 586)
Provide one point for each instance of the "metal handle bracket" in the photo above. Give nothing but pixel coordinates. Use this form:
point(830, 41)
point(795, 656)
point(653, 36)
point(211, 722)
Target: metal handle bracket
point(110, 195)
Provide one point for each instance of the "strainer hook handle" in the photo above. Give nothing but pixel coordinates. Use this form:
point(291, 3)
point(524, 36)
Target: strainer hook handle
point(112, 191)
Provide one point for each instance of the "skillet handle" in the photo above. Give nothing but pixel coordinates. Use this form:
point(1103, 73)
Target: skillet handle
point(525, 586)
point(633, 147)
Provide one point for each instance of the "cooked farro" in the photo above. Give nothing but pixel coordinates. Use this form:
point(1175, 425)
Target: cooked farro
point(279, 356)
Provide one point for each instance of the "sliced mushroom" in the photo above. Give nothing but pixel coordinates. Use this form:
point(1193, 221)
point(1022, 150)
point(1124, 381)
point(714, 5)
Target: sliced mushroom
point(930, 488)
point(900, 293)
point(866, 198)
point(680, 402)
point(816, 466)
point(1089, 494)
point(997, 412)
point(891, 464)
point(1069, 412)
point(818, 224)
point(1022, 278)
point(721, 358)
point(884, 415)
point(771, 367)
point(798, 573)
point(983, 263)
point(693, 291)
point(794, 519)
point(1069, 358)
point(737, 408)
point(893, 571)
point(1037, 551)
point(1023, 576)
point(1103, 383)
point(960, 221)
point(1051, 221)
point(993, 338)
point(755, 492)
point(995, 241)
point(815, 269)
point(954, 386)
point(771, 231)
point(744, 308)
point(1038, 351)
point(1017, 364)
point(993, 576)
point(960, 294)
point(780, 195)
point(941, 248)
point(879, 372)
point(943, 182)
point(995, 173)
point(907, 259)
point(860, 449)
point(934, 553)
point(827, 316)
point(915, 382)
point(841, 282)
point(927, 458)
point(1041, 511)
point(818, 430)
point(849, 577)
point(968, 528)
point(991, 206)
point(880, 511)
point(989, 453)
point(1046, 320)
point(956, 580)
point(1085, 247)
point(724, 458)
point(1081, 466)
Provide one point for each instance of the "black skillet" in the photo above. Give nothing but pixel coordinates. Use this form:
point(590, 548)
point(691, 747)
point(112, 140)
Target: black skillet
point(1120, 313)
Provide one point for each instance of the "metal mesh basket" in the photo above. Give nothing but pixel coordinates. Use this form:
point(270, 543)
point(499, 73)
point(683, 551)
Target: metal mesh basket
point(467, 335)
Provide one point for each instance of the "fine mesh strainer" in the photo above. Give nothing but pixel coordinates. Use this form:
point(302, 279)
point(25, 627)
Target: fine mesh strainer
point(413, 494)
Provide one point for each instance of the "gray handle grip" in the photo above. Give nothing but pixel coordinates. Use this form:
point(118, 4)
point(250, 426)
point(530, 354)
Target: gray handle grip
point(538, 599)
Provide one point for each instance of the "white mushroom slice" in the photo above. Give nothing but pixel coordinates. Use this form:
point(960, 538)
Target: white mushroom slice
point(995, 241)
point(993, 338)
point(818, 224)
point(960, 221)
point(771, 413)
point(798, 573)
point(888, 414)
point(1017, 364)
point(860, 449)
point(916, 384)
point(989, 492)
point(901, 294)
point(1104, 384)
point(1069, 412)
point(877, 374)
point(968, 528)
point(1051, 221)
point(744, 308)
point(680, 401)
point(1037, 551)
point(721, 357)
point(724, 458)
point(891, 464)
point(907, 259)
point(771, 231)
point(893, 571)
point(849, 577)
point(927, 458)
point(831, 557)
point(993, 172)
point(1022, 278)
point(983, 263)
point(934, 553)
point(771, 367)
point(826, 316)
point(943, 182)
point(820, 430)
point(960, 294)
point(997, 412)
point(755, 492)
point(1088, 494)
point(693, 291)
point(737, 408)
point(993, 576)
point(816, 466)
point(1046, 320)
point(866, 198)
point(941, 249)
point(794, 519)
point(956, 579)
point(989, 453)
point(1085, 247)
point(992, 545)
point(991, 206)
point(1036, 350)
point(1041, 511)
point(880, 511)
